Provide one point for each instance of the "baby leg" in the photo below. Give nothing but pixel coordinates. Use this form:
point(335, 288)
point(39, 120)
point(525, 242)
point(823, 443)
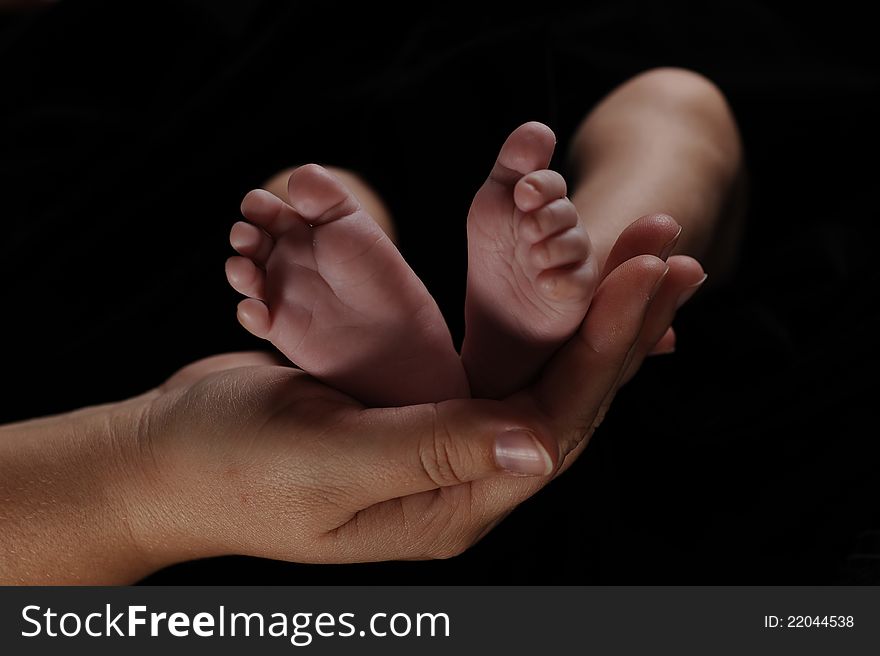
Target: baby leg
point(663, 142)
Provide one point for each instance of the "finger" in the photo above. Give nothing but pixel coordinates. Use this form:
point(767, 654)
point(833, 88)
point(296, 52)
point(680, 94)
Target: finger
point(684, 279)
point(412, 462)
point(420, 448)
point(684, 271)
point(440, 523)
point(577, 380)
point(652, 234)
point(665, 344)
point(396, 452)
point(429, 525)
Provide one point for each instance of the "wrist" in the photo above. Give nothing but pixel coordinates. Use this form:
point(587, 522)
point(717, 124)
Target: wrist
point(133, 501)
point(157, 487)
point(68, 498)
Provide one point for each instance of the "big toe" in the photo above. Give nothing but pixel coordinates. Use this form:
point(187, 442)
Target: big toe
point(319, 196)
point(528, 148)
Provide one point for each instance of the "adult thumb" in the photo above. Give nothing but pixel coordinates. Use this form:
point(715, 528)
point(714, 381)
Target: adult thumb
point(401, 451)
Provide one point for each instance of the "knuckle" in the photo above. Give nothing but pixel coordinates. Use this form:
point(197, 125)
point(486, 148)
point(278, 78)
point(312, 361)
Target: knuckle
point(439, 456)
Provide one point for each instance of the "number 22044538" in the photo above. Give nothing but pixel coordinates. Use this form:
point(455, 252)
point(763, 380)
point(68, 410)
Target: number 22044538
point(808, 621)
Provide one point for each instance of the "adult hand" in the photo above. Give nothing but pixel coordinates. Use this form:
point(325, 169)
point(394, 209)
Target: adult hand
point(235, 454)
point(658, 234)
point(264, 460)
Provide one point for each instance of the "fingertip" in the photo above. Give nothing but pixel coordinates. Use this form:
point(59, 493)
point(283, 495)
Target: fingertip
point(666, 344)
point(669, 246)
point(521, 453)
point(656, 234)
point(648, 270)
point(688, 269)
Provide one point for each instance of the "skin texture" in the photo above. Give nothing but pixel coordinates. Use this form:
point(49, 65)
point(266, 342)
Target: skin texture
point(236, 454)
point(530, 274)
point(366, 195)
point(663, 142)
point(339, 301)
point(327, 287)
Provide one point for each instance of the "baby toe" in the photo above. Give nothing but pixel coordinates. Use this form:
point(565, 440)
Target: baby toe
point(251, 242)
point(574, 284)
point(269, 212)
point(562, 249)
point(537, 189)
point(528, 148)
point(318, 195)
point(554, 217)
point(245, 277)
point(254, 317)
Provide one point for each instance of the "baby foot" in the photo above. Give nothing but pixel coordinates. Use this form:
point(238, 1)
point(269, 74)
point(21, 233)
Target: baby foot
point(531, 275)
point(329, 289)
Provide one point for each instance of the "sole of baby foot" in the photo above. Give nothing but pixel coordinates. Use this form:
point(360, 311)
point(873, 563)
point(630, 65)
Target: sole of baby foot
point(531, 274)
point(330, 290)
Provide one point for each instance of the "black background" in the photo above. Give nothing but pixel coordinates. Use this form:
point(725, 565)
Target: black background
point(130, 132)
